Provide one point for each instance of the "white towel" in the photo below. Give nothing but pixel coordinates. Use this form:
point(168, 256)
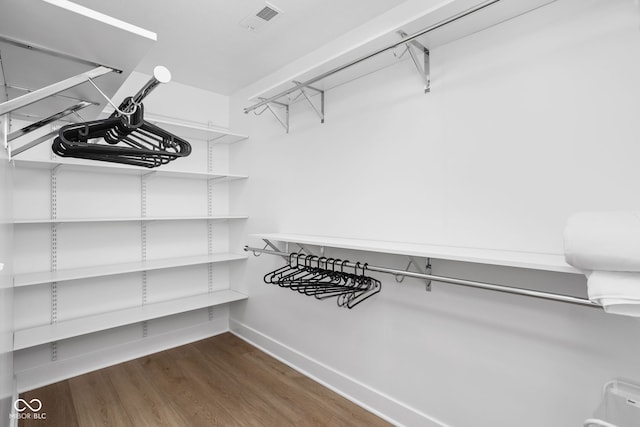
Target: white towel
point(608, 241)
point(618, 292)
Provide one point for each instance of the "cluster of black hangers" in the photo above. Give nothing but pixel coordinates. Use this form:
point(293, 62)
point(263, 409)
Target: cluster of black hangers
point(325, 278)
point(124, 137)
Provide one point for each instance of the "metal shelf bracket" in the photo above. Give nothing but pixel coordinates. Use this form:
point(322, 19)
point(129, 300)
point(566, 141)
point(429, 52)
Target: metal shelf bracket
point(422, 270)
point(318, 109)
point(415, 49)
point(272, 246)
point(284, 121)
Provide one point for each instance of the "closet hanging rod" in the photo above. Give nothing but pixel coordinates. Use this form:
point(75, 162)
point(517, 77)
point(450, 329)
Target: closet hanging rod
point(453, 281)
point(391, 46)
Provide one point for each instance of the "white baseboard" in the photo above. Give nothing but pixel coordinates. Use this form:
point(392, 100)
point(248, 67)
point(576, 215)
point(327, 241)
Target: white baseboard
point(67, 368)
point(361, 394)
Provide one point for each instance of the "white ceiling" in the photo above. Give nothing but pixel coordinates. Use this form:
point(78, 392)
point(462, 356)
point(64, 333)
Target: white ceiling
point(203, 45)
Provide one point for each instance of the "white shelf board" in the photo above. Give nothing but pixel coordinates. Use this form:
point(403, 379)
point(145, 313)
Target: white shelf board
point(90, 220)
point(478, 21)
point(189, 130)
point(519, 259)
point(102, 167)
point(28, 279)
point(38, 335)
point(196, 131)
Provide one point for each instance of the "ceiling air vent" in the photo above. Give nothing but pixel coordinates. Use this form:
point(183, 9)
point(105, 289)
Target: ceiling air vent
point(267, 13)
point(258, 20)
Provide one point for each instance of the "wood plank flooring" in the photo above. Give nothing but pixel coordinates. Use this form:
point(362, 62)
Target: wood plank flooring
point(220, 381)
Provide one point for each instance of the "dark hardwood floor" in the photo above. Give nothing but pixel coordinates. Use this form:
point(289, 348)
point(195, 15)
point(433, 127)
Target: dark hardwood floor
point(220, 381)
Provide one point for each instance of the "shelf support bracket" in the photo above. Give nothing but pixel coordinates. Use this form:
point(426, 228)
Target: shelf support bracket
point(275, 248)
point(32, 127)
point(283, 121)
point(55, 117)
point(423, 66)
point(422, 270)
point(318, 109)
point(307, 250)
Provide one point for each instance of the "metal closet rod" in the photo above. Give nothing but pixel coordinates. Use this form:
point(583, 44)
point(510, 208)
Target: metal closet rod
point(405, 40)
point(461, 282)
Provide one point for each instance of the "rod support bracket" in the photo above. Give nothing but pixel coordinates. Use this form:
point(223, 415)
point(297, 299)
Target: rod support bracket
point(284, 121)
point(319, 109)
point(423, 270)
point(415, 49)
point(307, 250)
point(273, 246)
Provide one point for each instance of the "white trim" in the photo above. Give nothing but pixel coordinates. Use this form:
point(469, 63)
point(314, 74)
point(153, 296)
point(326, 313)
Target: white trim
point(374, 401)
point(13, 421)
point(61, 370)
point(101, 17)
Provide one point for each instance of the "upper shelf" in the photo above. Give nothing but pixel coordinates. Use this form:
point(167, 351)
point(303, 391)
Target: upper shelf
point(197, 131)
point(72, 31)
point(103, 167)
point(531, 260)
point(191, 130)
point(490, 13)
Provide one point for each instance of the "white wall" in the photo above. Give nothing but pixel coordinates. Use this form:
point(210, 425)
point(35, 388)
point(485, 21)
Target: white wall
point(6, 284)
point(105, 195)
point(179, 101)
point(526, 122)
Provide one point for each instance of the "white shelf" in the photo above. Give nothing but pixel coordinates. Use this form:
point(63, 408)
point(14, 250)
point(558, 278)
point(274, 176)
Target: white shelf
point(196, 131)
point(189, 130)
point(28, 279)
point(85, 325)
point(102, 167)
point(478, 21)
point(531, 260)
point(90, 220)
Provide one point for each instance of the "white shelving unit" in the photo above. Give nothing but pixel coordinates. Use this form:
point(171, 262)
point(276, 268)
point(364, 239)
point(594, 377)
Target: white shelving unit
point(55, 331)
point(531, 260)
point(71, 328)
point(29, 279)
point(45, 59)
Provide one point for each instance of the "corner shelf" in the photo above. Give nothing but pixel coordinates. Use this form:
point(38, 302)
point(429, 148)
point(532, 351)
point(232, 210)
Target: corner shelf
point(38, 335)
point(29, 279)
point(518, 259)
point(90, 220)
point(98, 167)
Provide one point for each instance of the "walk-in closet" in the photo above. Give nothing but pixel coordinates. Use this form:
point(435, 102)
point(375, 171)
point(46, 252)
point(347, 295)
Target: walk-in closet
point(320, 213)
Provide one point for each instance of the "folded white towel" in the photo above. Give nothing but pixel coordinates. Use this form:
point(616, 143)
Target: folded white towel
point(607, 241)
point(618, 292)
